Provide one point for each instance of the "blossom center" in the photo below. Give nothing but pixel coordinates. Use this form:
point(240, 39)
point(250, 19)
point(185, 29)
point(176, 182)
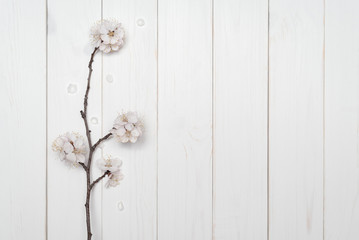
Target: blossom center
point(77, 151)
point(108, 163)
point(111, 33)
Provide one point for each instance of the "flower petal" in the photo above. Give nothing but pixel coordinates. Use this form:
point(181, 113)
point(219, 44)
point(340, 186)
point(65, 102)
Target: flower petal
point(113, 40)
point(107, 49)
point(132, 117)
point(71, 157)
point(106, 39)
point(124, 139)
point(80, 158)
point(121, 131)
point(133, 139)
point(68, 148)
point(115, 47)
point(79, 143)
point(129, 126)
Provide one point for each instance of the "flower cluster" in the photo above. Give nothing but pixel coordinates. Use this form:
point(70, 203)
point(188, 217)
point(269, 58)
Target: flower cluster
point(113, 165)
point(71, 148)
point(107, 35)
point(127, 127)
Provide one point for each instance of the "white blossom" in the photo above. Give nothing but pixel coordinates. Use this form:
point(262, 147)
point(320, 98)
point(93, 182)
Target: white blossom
point(108, 35)
point(71, 148)
point(113, 165)
point(109, 164)
point(127, 127)
point(114, 179)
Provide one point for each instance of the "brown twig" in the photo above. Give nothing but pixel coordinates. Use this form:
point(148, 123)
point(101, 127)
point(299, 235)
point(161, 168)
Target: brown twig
point(84, 112)
point(91, 149)
point(87, 206)
point(100, 140)
point(99, 179)
point(83, 166)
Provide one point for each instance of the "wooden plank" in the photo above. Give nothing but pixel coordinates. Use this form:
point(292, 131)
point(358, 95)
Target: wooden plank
point(341, 120)
point(69, 52)
point(240, 133)
point(23, 120)
point(185, 120)
point(130, 84)
point(296, 119)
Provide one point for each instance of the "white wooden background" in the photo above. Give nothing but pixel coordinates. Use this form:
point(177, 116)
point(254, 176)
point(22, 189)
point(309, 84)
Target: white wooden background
point(251, 110)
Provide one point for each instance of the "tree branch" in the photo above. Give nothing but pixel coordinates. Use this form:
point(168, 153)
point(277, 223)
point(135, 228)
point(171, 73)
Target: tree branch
point(100, 140)
point(89, 79)
point(88, 134)
point(99, 179)
point(84, 112)
point(83, 166)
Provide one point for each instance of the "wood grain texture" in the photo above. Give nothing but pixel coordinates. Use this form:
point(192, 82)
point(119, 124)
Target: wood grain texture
point(130, 84)
point(296, 119)
point(69, 52)
point(23, 120)
point(240, 133)
point(185, 120)
point(341, 120)
point(277, 80)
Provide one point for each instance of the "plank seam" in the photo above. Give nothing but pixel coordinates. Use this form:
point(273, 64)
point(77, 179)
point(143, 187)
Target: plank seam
point(323, 119)
point(102, 132)
point(213, 127)
point(47, 132)
point(157, 67)
point(268, 91)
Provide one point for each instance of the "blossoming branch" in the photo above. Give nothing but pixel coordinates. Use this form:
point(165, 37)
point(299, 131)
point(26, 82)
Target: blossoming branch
point(106, 36)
